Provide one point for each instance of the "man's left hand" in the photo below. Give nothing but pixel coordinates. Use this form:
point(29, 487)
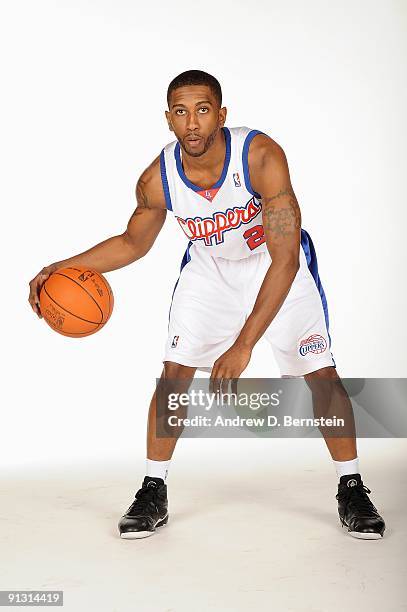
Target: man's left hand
point(228, 367)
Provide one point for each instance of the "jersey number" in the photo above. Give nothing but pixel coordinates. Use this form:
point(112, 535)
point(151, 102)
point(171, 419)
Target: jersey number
point(254, 237)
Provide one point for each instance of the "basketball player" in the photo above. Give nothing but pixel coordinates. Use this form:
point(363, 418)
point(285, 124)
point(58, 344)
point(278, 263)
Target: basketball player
point(249, 270)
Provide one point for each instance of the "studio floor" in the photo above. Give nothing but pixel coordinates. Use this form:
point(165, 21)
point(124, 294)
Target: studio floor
point(253, 526)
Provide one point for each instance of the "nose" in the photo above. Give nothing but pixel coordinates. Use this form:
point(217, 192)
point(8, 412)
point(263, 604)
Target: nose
point(192, 121)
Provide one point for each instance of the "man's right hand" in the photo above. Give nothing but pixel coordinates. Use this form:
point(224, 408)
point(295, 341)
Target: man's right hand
point(35, 288)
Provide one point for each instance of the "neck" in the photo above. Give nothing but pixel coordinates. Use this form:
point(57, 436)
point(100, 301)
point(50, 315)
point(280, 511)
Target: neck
point(214, 156)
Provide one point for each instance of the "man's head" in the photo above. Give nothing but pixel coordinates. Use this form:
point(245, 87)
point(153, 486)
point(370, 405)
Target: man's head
point(195, 112)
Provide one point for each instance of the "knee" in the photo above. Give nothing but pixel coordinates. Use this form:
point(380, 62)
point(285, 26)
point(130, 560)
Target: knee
point(174, 370)
point(316, 380)
point(325, 383)
point(175, 378)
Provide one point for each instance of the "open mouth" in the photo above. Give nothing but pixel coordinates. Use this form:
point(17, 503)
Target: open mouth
point(194, 143)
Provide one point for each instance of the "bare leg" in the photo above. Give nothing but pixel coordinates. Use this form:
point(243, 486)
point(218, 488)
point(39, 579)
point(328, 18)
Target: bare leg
point(161, 449)
point(330, 398)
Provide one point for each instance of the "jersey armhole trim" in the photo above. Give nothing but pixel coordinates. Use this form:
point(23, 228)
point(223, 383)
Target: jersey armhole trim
point(164, 181)
point(245, 161)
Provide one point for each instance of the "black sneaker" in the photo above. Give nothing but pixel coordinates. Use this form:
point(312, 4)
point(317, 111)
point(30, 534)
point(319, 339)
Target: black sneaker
point(356, 511)
point(148, 511)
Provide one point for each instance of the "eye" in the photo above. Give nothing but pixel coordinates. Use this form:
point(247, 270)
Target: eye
point(179, 110)
point(204, 108)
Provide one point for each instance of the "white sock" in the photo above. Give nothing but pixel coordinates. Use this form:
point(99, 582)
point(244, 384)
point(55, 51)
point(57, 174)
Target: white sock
point(157, 469)
point(343, 468)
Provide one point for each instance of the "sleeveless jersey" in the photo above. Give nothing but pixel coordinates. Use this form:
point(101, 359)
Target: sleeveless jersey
point(225, 220)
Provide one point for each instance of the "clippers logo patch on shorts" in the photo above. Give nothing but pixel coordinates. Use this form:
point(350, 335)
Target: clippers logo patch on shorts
point(313, 344)
point(212, 229)
point(174, 341)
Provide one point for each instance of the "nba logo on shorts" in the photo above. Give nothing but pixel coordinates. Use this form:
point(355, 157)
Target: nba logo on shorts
point(236, 179)
point(174, 341)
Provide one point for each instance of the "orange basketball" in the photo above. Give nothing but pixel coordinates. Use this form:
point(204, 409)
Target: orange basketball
point(76, 302)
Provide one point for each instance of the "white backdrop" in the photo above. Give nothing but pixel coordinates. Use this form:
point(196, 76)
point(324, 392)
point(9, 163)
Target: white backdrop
point(84, 94)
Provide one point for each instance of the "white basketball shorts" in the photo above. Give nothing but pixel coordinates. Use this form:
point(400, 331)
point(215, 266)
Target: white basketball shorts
point(214, 296)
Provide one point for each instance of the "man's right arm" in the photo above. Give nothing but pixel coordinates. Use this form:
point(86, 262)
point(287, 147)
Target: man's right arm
point(118, 251)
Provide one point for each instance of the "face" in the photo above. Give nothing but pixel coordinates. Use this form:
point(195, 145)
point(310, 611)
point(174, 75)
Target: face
point(195, 118)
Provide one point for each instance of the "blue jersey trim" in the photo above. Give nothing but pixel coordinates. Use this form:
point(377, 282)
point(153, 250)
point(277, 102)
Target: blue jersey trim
point(245, 162)
point(218, 183)
point(164, 181)
point(185, 260)
point(311, 257)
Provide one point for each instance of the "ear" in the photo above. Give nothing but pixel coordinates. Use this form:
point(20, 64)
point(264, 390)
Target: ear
point(222, 115)
point(168, 117)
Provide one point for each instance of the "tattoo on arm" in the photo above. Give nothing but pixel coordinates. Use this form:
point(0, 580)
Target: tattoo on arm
point(141, 196)
point(279, 221)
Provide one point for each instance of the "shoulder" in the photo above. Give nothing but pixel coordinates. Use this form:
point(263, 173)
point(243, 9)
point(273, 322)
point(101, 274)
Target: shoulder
point(267, 162)
point(264, 151)
point(149, 189)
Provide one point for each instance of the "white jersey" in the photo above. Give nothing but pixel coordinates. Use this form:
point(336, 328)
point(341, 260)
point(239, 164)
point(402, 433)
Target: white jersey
point(225, 220)
point(224, 266)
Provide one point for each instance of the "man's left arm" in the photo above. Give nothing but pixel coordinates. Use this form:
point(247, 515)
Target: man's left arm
point(269, 175)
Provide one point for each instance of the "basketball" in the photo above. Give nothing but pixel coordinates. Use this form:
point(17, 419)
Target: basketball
point(76, 302)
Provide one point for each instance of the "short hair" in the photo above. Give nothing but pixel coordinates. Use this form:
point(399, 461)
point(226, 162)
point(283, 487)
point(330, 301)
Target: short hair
point(195, 77)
